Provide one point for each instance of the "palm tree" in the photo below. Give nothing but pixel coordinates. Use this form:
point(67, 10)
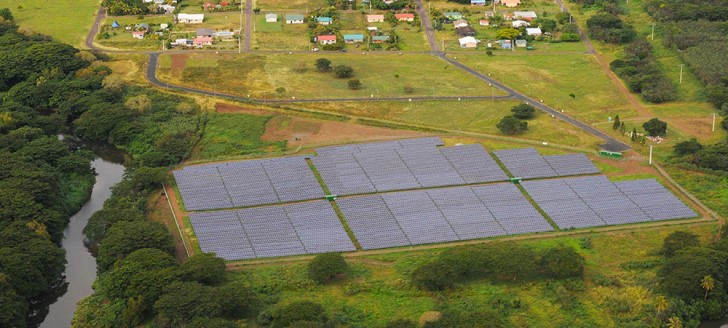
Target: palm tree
point(674, 322)
point(707, 283)
point(6, 121)
point(661, 304)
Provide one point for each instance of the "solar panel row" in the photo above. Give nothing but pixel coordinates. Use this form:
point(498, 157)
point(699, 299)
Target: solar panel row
point(527, 163)
point(302, 228)
point(384, 167)
point(595, 201)
point(247, 183)
point(440, 215)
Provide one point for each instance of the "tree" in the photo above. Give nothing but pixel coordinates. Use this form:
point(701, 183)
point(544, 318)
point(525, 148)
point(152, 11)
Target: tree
point(323, 64)
point(511, 125)
point(688, 147)
point(205, 322)
point(184, 301)
point(6, 14)
point(125, 237)
point(677, 241)
point(523, 111)
point(616, 123)
point(134, 311)
point(507, 33)
point(256, 10)
point(354, 84)
point(661, 305)
point(707, 283)
point(343, 71)
point(655, 127)
point(205, 268)
point(674, 322)
point(633, 136)
point(100, 222)
point(681, 274)
point(286, 315)
point(562, 262)
point(326, 267)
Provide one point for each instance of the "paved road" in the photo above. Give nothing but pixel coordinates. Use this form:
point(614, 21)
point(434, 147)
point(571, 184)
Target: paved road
point(429, 31)
point(95, 29)
point(248, 24)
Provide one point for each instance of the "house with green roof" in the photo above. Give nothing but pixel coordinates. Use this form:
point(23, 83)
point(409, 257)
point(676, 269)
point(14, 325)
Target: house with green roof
point(353, 38)
point(294, 19)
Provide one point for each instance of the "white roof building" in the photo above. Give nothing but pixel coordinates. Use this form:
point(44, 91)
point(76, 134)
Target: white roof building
point(468, 42)
point(190, 18)
point(535, 31)
point(519, 23)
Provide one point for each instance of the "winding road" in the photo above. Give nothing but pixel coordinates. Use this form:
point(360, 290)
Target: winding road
point(610, 143)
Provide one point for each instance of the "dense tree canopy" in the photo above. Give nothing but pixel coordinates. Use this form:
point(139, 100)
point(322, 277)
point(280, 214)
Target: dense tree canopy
point(326, 267)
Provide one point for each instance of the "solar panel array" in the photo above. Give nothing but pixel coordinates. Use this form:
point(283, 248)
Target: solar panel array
point(595, 201)
point(404, 164)
point(527, 163)
point(658, 202)
point(302, 228)
point(247, 183)
point(440, 215)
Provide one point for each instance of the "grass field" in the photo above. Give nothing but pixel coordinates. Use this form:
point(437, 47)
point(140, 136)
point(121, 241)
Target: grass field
point(380, 75)
point(466, 116)
point(378, 287)
point(67, 21)
point(279, 35)
point(229, 135)
point(279, 5)
point(553, 78)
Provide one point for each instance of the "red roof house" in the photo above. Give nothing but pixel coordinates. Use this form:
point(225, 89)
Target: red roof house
point(405, 17)
point(327, 39)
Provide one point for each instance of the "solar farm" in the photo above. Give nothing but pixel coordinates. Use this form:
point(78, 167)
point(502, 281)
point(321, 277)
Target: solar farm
point(403, 193)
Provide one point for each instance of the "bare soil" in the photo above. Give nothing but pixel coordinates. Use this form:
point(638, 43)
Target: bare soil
point(179, 62)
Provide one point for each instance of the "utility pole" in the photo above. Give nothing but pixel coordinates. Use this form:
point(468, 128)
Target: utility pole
point(681, 69)
point(653, 31)
point(650, 154)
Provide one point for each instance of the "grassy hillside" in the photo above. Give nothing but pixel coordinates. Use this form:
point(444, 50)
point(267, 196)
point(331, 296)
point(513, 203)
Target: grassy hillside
point(67, 21)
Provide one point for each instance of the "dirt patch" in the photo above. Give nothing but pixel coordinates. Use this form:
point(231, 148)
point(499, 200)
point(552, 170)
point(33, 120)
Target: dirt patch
point(698, 127)
point(306, 132)
point(179, 62)
point(429, 316)
point(163, 214)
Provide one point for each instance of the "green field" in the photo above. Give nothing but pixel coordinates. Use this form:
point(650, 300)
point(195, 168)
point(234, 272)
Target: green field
point(381, 76)
point(378, 287)
point(552, 78)
point(302, 5)
point(229, 135)
point(67, 21)
point(279, 35)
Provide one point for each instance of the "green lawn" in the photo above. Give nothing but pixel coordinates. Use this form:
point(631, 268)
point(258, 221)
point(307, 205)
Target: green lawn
point(301, 5)
point(552, 78)
point(378, 289)
point(380, 75)
point(67, 21)
point(229, 135)
point(279, 35)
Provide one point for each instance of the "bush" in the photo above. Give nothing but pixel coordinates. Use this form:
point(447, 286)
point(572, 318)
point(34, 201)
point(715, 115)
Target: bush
point(562, 262)
point(655, 127)
point(354, 84)
point(512, 125)
point(343, 71)
point(205, 268)
point(570, 37)
point(434, 276)
point(409, 89)
point(323, 65)
point(327, 267)
point(288, 315)
point(610, 29)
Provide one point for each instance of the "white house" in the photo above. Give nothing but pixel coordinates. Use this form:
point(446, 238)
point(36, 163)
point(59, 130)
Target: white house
point(180, 42)
point(535, 31)
point(460, 23)
point(294, 19)
point(138, 35)
point(519, 23)
point(468, 42)
point(190, 18)
point(271, 18)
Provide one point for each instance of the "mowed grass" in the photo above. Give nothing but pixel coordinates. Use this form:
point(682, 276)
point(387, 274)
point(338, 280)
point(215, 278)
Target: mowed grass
point(302, 5)
point(380, 76)
point(378, 288)
point(229, 135)
point(554, 78)
point(464, 116)
point(279, 35)
point(67, 21)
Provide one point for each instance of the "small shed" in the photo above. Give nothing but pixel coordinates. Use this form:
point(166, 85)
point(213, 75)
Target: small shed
point(460, 23)
point(271, 18)
point(115, 24)
point(477, 2)
point(534, 31)
point(521, 43)
point(453, 15)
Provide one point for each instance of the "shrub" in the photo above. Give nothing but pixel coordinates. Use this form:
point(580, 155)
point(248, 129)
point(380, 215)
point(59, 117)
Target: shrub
point(562, 262)
point(323, 64)
point(288, 315)
point(326, 267)
point(570, 37)
point(354, 84)
point(434, 276)
point(523, 111)
point(677, 241)
point(343, 71)
point(409, 89)
point(655, 127)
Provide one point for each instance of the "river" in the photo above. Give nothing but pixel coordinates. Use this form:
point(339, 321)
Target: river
point(56, 310)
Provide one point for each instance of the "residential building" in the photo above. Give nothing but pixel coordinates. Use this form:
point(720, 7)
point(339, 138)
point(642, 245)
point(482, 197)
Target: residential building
point(380, 38)
point(468, 42)
point(353, 38)
point(326, 39)
point(405, 17)
point(324, 20)
point(204, 32)
point(138, 34)
point(375, 18)
point(190, 18)
point(460, 23)
point(202, 41)
point(271, 18)
point(453, 15)
point(525, 15)
point(294, 19)
point(535, 31)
